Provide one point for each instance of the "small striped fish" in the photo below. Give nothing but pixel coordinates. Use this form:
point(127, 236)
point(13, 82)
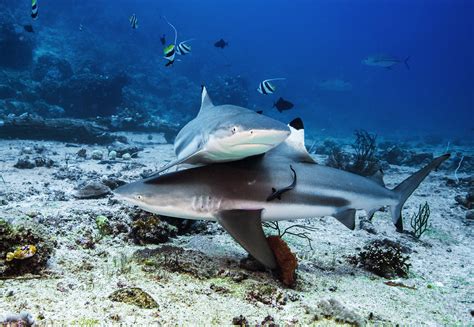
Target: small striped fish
point(266, 87)
point(133, 21)
point(183, 48)
point(34, 9)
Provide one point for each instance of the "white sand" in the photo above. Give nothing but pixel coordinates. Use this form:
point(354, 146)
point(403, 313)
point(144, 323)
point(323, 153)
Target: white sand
point(81, 279)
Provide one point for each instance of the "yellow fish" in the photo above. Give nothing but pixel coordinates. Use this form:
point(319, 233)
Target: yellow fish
point(23, 252)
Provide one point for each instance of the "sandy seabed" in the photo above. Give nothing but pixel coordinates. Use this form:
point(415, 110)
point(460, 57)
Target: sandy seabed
point(75, 287)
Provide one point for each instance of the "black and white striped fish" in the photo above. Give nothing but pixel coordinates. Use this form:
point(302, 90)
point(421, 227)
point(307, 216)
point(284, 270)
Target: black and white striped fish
point(34, 9)
point(266, 87)
point(133, 21)
point(183, 48)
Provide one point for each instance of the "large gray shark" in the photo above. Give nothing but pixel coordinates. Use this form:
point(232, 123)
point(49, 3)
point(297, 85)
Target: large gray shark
point(225, 133)
point(240, 195)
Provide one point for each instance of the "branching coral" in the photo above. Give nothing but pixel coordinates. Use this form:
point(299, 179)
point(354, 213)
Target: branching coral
point(419, 220)
point(363, 162)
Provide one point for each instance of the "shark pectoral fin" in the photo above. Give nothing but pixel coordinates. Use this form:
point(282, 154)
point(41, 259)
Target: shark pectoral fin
point(347, 217)
point(171, 164)
point(245, 226)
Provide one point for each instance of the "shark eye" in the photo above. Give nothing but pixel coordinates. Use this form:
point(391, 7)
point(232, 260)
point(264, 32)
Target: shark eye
point(234, 130)
point(138, 197)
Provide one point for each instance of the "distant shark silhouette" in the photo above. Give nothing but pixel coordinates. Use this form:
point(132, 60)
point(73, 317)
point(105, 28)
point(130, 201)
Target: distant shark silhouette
point(236, 194)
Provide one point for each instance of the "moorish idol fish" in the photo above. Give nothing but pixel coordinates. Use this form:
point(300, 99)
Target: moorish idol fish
point(34, 9)
point(170, 54)
point(266, 87)
point(133, 21)
point(170, 51)
point(183, 48)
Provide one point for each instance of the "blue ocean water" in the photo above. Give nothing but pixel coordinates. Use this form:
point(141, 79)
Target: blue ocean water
point(305, 41)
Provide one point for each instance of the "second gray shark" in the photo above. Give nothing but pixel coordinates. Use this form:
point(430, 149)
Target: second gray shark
point(225, 133)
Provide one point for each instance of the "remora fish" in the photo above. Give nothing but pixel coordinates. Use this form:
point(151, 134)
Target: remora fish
point(225, 133)
point(235, 194)
point(385, 61)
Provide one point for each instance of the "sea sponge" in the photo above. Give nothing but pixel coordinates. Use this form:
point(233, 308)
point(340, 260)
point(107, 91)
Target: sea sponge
point(286, 260)
point(12, 237)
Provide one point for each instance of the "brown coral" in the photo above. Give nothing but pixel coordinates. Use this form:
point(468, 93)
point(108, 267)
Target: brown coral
point(286, 260)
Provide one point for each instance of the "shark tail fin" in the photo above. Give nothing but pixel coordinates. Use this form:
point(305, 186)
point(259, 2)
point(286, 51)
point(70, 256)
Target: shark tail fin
point(406, 62)
point(409, 185)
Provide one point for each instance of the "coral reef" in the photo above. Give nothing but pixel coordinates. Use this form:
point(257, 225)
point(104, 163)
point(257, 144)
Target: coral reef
point(85, 95)
point(14, 237)
point(134, 296)
point(51, 68)
point(230, 90)
point(384, 258)
point(17, 47)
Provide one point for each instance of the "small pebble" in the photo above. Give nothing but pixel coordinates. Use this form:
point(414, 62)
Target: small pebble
point(112, 155)
point(126, 156)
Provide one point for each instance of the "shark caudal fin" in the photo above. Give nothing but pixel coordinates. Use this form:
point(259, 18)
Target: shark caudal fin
point(406, 188)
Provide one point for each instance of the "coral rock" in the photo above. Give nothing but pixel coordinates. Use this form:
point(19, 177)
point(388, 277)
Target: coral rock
point(134, 296)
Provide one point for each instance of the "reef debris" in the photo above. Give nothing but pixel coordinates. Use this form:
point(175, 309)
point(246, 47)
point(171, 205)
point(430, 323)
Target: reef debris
point(333, 310)
point(176, 259)
point(92, 190)
point(148, 228)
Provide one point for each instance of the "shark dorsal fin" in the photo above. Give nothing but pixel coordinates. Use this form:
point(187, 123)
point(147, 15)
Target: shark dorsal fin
point(293, 148)
point(206, 102)
point(297, 124)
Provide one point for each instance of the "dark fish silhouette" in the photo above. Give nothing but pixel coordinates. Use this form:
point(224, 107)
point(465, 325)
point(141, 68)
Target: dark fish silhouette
point(282, 105)
point(163, 39)
point(221, 44)
point(29, 28)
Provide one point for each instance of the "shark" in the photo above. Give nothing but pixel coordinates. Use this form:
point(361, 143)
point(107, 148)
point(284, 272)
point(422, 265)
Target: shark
point(225, 133)
point(282, 184)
